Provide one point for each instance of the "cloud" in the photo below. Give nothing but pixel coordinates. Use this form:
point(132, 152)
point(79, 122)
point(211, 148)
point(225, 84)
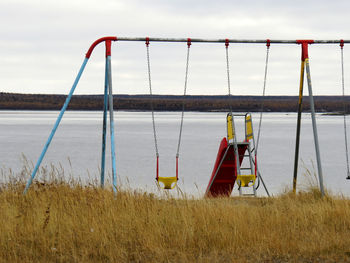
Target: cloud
point(42, 44)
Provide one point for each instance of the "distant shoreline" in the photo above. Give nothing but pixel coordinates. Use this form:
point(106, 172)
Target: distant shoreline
point(205, 103)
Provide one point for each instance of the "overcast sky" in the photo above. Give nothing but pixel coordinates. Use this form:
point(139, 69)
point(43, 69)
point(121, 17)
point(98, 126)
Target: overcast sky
point(43, 43)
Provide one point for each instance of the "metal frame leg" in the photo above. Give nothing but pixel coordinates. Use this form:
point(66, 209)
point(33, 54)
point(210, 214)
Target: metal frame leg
point(111, 118)
point(59, 118)
point(314, 127)
point(105, 107)
point(251, 167)
point(267, 192)
point(235, 147)
point(297, 143)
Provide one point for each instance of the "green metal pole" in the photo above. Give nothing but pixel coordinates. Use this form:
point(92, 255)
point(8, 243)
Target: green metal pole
point(297, 143)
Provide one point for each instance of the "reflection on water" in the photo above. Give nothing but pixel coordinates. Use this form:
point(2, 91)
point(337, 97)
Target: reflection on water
point(80, 133)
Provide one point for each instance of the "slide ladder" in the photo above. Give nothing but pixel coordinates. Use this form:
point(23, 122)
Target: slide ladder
point(248, 171)
point(247, 179)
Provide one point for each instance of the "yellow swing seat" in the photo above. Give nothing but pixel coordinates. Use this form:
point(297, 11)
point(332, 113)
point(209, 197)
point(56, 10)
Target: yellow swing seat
point(246, 180)
point(167, 182)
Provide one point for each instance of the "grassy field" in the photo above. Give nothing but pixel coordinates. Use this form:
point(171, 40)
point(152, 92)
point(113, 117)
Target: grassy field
point(66, 222)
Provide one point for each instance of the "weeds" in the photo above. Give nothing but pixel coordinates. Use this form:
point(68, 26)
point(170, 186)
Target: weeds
point(65, 221)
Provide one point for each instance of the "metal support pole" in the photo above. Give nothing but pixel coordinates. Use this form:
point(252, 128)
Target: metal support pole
point(245, 41)
point(344, 109)
point(260, 177)
point(59, 118)
point(105, 107)
point(111, 124)
point(251, 167)
point(235, 147)
point(300, 108)
point(314, 127)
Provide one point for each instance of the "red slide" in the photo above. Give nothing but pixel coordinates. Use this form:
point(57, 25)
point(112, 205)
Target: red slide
point(222, 184)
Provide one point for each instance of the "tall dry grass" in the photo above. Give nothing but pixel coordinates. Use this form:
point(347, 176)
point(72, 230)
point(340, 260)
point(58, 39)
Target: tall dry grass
point(59, 221)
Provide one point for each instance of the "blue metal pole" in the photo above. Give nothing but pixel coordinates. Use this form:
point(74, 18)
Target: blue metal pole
point(105, 106)
point(56, 125)
point(111, 118)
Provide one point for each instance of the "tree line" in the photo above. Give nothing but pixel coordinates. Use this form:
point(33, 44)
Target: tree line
point(17, 101)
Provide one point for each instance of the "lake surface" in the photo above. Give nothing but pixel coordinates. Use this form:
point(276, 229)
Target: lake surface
point(77, 147)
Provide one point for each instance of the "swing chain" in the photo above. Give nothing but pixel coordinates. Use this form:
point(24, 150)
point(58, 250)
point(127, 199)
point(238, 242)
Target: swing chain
point(238, 169)
point(344, 109)
point(184, 96)
point(227, 43)
point(152, 97)
point(263, 94)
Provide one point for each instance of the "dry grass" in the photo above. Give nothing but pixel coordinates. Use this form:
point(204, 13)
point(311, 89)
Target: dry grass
point(65, 222)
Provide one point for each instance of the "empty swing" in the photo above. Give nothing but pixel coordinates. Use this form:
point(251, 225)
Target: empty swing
point(169, 182)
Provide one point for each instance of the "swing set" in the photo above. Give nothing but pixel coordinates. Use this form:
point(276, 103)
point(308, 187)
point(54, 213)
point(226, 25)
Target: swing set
point(228, 166)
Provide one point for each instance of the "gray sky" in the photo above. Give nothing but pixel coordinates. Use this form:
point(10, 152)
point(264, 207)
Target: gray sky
point(43, 43)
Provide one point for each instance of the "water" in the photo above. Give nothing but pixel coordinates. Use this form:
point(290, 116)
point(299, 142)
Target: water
point(77, 146)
